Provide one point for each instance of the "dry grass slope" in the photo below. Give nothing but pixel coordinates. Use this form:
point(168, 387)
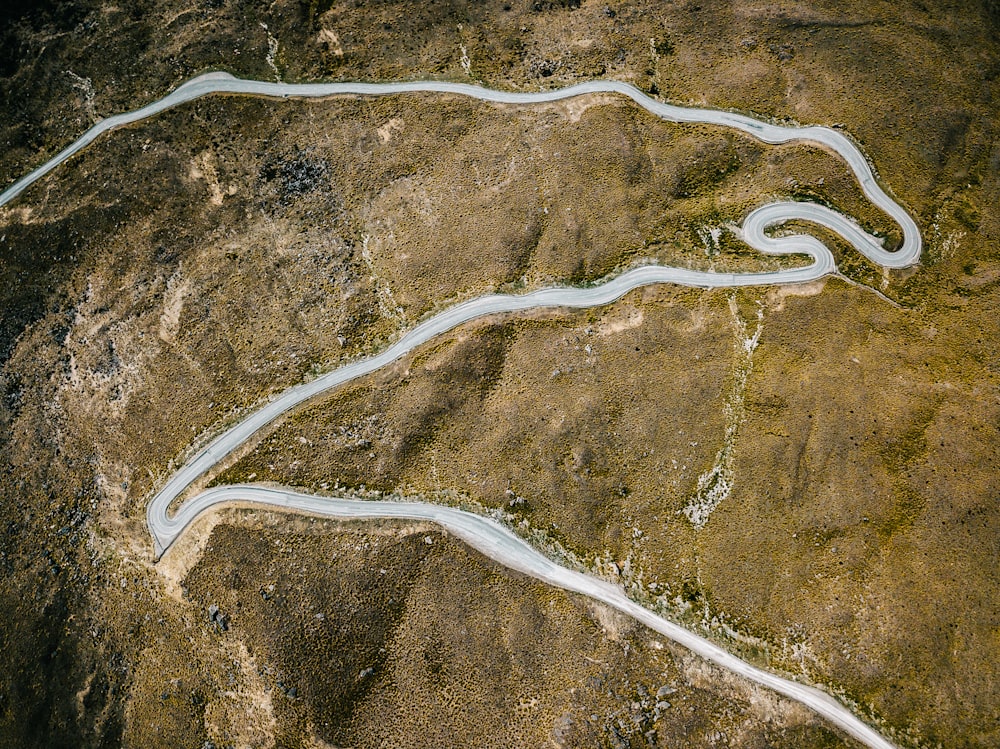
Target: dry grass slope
point(142, 290)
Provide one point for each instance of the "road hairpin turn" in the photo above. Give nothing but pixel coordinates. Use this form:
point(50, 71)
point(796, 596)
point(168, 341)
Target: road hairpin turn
point(485, 535)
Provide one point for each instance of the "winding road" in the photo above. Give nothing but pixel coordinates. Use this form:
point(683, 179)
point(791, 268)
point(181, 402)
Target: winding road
point(485, 535)
point(224, 83)
point(500, 544)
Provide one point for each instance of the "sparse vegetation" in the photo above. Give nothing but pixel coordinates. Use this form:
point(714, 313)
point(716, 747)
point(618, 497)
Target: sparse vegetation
point(357, 643)
point(184, 269)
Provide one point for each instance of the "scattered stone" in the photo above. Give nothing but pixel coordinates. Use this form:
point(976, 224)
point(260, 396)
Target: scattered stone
point(290, 177)
point(664, 691)
point(219, 619)
point(618, 740)
point(784, 52)
point(544, 68)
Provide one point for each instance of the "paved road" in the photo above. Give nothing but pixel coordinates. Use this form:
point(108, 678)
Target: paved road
point(485, 535)
point(569, 297)
point(452, 317)
point(498, 543)
point(752, 230)
point(212, 83)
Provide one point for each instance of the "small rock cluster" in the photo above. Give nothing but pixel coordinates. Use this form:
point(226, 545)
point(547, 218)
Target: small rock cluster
point(217, 618)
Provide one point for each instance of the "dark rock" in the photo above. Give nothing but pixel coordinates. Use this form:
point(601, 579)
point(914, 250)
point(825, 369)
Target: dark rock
point(783, 52)
point(544, 68)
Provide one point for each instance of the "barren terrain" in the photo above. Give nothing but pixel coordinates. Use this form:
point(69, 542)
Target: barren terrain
point(178, 272)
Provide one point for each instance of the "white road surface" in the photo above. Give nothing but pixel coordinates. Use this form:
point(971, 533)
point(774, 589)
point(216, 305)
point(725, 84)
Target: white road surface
point(481, 533)
point(214, 83)
point(500, 544)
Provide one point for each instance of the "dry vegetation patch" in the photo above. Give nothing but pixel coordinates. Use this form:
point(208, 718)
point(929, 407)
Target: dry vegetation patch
point(387, 633)
point(177, 272)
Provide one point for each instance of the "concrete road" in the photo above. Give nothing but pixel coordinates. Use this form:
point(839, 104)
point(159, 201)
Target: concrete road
point(213, 83)
point(481, 533)
point(500, 544)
